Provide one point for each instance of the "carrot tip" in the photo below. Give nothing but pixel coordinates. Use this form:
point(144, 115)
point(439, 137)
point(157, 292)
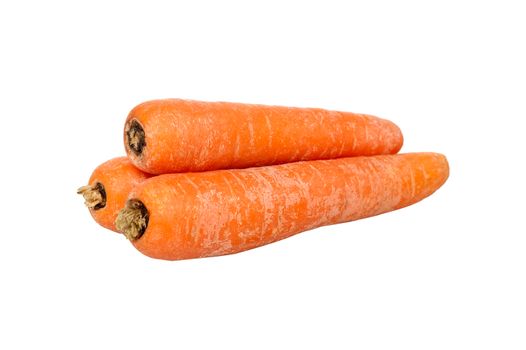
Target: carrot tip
point(135, 137)
point(94, 196)
point(132, 220)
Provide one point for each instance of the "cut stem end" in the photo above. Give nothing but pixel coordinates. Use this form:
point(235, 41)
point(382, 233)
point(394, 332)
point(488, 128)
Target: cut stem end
point(135, 137)
point(132, 220)
point(94, 196)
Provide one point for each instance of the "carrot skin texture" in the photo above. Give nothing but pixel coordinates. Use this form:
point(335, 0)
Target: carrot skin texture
point(189, 136)
point(118, 176)
point(229, 211)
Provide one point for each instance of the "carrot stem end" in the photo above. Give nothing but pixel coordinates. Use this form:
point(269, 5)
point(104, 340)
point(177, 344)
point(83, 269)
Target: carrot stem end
point(132, 220)
point(135, 137)
point(94, 195)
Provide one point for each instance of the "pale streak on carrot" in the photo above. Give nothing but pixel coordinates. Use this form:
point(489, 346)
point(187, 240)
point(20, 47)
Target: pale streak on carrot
point(237, 146)
point(247, 195)
point(316, 170)
point(229, 185)
point(365, 130)
point(267, 201)
point(205, 151)
point(251, 133)
point(413, 184)
point(280, 210)
point(301, 190)
point(192, 183)
point(270, 131)
point(346, 208)
point(342, 147)
point(232, 194)
point(235, 176)
point(316, 203)
point(181, 188)
point(353, 126)
point(327, 148)
point(210, 203)
point(424, 171)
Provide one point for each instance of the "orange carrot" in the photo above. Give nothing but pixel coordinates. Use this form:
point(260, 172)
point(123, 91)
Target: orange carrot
point(167, 136)
point(182, 216)
point(109, 186)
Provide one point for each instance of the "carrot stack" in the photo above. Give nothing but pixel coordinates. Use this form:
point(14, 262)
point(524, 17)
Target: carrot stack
point(228, 177)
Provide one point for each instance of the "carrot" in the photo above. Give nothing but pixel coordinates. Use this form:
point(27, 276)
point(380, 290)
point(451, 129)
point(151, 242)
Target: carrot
point(109, 186)
point(182, 216)
point(173, 135)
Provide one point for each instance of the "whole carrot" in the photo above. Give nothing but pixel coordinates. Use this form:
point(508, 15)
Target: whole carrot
point(109, 187)
point(182, 216)
point(173, 135)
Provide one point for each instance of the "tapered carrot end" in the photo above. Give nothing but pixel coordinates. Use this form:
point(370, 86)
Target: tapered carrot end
point(429, 171)
point(132, 220)
point(94, 196)
point(441, 167)
point(399, 139)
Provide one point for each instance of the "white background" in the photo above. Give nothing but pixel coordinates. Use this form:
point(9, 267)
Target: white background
point(447, 273)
